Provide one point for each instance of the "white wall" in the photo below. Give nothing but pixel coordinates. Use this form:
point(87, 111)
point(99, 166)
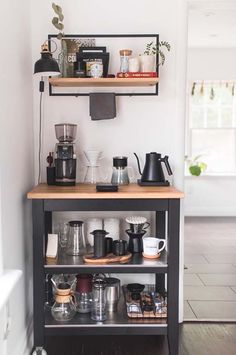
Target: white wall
point(211, 195)
point(143, 124)
point(16, 169)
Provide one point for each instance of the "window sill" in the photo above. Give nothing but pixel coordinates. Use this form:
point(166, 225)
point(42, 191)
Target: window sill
point(211, 175)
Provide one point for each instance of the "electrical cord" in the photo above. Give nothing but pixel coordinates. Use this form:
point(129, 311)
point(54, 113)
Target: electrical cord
point(41, 89)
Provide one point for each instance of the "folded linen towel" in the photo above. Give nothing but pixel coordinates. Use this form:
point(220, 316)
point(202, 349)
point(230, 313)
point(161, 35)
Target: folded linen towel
point(102, 106)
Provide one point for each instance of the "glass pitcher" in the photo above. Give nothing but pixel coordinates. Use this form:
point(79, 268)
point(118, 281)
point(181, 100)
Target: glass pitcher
point(76, 241)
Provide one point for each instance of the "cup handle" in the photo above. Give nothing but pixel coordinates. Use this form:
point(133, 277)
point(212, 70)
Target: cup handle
point(163, 246)
point(147, 225)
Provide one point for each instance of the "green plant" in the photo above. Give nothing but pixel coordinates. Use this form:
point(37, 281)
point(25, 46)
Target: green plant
point(57, 20)
point(195, 166)
point(153, 49)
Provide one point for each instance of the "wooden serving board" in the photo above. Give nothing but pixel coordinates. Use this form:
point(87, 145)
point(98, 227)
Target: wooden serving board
point(110, 258)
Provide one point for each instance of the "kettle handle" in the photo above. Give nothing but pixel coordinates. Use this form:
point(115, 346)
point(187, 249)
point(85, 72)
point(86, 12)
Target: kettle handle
point(168, 168)
point(139, 169)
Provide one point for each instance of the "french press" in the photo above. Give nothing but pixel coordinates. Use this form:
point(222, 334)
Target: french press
point(99, 299)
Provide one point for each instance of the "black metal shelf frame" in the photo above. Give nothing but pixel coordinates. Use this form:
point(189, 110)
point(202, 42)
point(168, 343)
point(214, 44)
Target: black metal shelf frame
point(155, 36)
point(167, 210)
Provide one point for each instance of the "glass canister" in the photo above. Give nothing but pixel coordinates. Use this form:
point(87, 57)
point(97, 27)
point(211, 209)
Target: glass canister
point(64, 308)
point(76, 241)
point(84, 293)
point(120, 172)
point(124, 60)
point(99, 299)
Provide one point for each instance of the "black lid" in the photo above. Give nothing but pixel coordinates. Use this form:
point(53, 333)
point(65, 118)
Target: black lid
point(99, 233)
point(75, 223)
point(120, 162)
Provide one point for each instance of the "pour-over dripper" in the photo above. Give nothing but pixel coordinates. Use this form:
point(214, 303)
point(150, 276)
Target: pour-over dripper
point(93, 157)
point(65, 132)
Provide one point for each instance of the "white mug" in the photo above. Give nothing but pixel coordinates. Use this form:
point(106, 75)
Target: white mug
point(151, 245)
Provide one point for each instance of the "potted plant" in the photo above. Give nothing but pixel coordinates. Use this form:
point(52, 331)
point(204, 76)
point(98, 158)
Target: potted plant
point(196, 166)
point(148, 58)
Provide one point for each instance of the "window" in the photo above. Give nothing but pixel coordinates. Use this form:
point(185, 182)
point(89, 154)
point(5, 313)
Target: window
point(211, 128)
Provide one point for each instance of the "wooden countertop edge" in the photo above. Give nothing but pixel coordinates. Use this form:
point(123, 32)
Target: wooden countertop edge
point(104, 195)
point(101, 197)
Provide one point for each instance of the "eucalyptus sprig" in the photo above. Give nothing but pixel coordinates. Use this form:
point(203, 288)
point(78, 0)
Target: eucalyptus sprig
point(57, 20)
point(153, 49)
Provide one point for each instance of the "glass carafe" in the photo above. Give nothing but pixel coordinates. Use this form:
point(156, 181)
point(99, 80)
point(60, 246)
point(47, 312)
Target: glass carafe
point(99, 299)
point(59, 279)
point(76, 241)
point(64, 308)
point(93, 173)
point(120, 172)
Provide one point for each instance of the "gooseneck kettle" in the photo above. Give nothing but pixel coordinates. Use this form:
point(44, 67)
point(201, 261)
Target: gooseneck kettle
point(153, 173)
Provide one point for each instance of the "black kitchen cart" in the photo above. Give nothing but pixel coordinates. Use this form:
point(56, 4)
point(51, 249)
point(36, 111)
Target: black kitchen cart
point(164, 201)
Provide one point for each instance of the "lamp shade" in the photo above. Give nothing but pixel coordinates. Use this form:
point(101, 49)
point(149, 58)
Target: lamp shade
point(46, 65)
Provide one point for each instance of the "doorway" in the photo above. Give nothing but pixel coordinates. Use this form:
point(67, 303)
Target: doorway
point(210, 174)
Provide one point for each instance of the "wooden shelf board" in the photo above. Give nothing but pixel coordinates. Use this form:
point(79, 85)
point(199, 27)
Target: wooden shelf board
point(88, 191)
point(105, 82)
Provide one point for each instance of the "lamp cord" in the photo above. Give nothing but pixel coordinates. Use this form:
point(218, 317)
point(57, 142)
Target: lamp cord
point(41, 89)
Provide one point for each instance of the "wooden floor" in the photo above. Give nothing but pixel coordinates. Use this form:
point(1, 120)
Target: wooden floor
point(195, 339)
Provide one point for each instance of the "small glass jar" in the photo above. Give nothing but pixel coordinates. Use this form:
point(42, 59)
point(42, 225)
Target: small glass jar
point(124, 60)
point(64, 308)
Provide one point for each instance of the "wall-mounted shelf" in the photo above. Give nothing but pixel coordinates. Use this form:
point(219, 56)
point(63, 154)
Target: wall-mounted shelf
point(114, 42)
point(103, 82)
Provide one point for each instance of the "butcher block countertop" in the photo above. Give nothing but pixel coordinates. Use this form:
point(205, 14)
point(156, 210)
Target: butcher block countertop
point(86, 191)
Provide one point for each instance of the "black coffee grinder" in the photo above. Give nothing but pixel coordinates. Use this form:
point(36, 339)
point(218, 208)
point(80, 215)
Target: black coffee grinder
point(65, 157)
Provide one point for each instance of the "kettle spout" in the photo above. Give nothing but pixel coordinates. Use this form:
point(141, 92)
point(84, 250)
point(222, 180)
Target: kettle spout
point(139, 169)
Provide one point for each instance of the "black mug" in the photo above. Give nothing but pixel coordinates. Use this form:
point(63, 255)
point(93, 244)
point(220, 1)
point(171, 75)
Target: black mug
point(108, 245)
point(119, 247)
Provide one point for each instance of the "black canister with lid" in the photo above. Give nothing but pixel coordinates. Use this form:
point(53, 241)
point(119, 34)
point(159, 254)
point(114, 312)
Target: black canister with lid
point(120, 162)
point(120, 174)
point(99, 243)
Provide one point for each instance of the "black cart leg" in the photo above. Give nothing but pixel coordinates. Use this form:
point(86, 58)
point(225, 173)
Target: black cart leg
point(38, 272)
point(173, 276)
point(160, 233)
